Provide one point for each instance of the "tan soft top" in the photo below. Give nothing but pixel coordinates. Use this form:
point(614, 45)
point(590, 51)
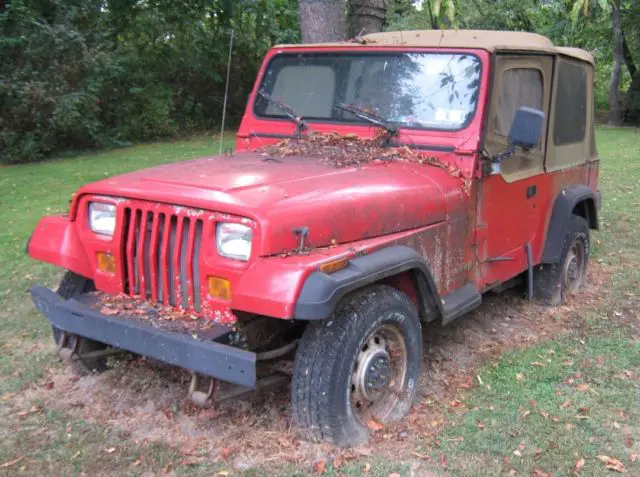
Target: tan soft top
point(484, 39)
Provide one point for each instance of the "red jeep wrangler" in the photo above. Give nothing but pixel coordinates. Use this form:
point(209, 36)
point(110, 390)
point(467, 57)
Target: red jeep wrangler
point(377, 186)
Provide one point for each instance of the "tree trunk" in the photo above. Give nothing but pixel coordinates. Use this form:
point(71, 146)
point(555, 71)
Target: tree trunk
point(615, 110)
point(322, 20)
point(631, 111)
point(632, 106)
point(367, 15)
point(432, 19)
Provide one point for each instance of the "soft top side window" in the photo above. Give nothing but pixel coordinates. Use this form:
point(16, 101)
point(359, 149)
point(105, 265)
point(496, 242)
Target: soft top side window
point(520, 87)
point(570, 122)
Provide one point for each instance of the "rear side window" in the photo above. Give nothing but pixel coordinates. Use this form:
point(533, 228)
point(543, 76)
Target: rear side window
point(520, 87)
point(571, 104)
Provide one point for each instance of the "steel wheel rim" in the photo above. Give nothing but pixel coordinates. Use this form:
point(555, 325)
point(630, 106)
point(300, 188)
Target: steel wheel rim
point(574, 267)
point(378, 375)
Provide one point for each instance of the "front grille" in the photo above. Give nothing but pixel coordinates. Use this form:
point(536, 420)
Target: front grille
point(162, 256)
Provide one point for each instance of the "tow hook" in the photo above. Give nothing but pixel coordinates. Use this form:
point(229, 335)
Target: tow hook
point(196, 394)
point(67, 352)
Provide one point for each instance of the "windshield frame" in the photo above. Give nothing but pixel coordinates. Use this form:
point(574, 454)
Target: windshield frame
point(359, 52)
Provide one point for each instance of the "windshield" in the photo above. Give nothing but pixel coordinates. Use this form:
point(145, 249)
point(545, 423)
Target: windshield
point(418, 90)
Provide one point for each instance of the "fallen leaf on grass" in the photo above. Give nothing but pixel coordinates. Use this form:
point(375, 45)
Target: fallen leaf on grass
point(582, 387)
point(32, 410)
point(611, 463)
point(422, 456)
point(538, 472)
point(566, 404)
point(110, 450)
point(578, 467)
point(520, 377)
point(11, 462)
point(538, 364)
point(365, 451)
point(517, 453)
point(366, 468)
point(394, 474)
point(320, 467)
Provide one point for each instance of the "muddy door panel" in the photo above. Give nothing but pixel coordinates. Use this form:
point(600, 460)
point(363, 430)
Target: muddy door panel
point(509, 196)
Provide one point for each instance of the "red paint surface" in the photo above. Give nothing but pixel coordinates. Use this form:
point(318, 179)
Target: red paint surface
point(358, 209)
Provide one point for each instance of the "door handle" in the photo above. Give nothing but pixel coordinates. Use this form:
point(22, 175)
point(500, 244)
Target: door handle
point(531, 191)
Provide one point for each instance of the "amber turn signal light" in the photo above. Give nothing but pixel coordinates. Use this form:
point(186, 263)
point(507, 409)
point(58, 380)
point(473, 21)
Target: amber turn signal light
point(334, 266)
point(106, 262)
point(219, 288)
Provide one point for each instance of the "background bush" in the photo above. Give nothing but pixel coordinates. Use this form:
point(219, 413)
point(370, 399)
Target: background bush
point(82, 74)
point(79, 74)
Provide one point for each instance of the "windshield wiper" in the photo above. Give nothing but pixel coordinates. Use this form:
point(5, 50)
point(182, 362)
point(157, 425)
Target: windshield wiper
point(370, 117)
point(301, 125)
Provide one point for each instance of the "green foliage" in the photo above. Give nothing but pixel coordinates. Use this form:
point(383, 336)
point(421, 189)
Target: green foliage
point(579, 23)
point(80, 74)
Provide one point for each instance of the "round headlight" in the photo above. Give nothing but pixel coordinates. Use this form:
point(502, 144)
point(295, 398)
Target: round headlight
point(234, 240)
point(102, 218)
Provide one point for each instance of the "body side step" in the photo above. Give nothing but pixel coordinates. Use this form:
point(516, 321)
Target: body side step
point(459, 302)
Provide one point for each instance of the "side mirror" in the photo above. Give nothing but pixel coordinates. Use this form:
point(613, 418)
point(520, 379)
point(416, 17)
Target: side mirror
point(525, 133)
point(526, 129)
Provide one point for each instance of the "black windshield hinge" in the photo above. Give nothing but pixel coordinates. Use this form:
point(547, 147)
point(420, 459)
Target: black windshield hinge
point(302, 232)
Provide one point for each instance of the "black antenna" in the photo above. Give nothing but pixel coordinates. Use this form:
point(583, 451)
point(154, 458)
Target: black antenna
point(226, 93)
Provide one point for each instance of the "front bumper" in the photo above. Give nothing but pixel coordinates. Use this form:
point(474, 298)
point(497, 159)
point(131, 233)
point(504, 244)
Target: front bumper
point(208, 358)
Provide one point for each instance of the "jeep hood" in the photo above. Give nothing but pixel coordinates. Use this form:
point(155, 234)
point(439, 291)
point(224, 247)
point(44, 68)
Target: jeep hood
point(280, 194)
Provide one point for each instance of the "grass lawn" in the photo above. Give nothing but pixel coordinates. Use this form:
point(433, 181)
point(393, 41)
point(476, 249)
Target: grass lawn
point(550, 408)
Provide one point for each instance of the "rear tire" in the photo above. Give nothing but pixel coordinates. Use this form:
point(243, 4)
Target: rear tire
point(554, 282)
point(359, 368)
point(72, 285)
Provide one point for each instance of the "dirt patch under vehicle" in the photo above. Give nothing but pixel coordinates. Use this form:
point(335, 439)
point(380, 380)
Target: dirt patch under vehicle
point(146, 400)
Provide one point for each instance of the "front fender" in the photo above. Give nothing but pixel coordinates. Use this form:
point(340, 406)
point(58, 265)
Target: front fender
point(55, 240)
point(321, 292)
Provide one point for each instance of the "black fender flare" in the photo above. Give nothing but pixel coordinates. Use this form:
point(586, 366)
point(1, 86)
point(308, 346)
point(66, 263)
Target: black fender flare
point(564, 205)
point(321, 292)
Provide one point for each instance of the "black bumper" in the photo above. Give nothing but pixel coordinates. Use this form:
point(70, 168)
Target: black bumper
point(208, 358)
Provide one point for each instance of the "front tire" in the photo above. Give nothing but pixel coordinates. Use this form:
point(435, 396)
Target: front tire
point(359, 368)
point(554, 282)
point(72, 285)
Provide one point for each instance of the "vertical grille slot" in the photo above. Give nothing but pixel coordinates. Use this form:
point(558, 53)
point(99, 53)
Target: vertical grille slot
point(196, 266)
point(162, 257)
point(184, 277)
